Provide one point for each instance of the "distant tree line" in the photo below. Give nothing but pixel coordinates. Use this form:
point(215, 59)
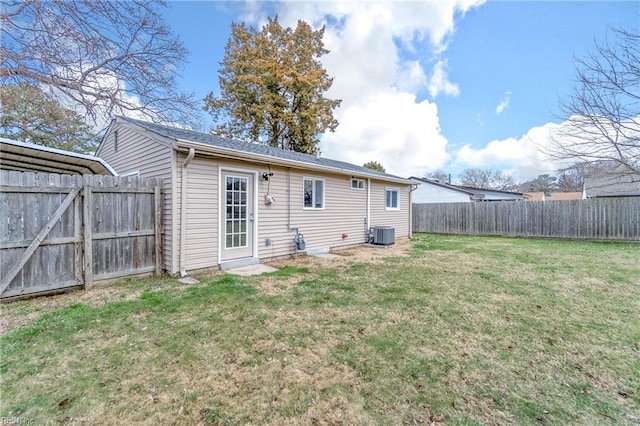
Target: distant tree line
point(570, 179)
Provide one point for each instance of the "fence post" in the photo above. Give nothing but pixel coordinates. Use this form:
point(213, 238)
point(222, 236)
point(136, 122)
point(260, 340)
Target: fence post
point(157, 198)
point(88, 236)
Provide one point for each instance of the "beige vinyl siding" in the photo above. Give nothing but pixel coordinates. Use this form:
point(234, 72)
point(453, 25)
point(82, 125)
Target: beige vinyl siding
point(201, 242)
point(272, 219)
point(137, 151)
point(344, 212)
point(380, 216)
point(344, 208)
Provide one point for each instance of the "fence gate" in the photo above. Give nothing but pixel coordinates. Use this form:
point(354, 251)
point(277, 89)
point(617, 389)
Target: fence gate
point(63, 231)
point(40, 234)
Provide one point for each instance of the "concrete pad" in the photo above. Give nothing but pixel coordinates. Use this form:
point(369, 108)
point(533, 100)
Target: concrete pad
point(189, 280)
point(326, 255)
point(249, 270)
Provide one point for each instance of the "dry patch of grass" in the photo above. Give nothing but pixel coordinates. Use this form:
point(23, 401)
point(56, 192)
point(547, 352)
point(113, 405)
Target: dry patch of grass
point(442, 329)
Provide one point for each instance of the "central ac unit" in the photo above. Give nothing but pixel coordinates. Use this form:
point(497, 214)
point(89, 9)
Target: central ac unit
point(383, 235)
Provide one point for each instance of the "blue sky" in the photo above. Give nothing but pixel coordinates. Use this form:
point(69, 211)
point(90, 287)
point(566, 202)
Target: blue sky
point(428, 85)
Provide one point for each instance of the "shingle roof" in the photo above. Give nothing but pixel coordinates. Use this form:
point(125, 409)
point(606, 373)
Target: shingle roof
point(253, 148)
point(612, 186)
point(483, 190)
point(442, 184)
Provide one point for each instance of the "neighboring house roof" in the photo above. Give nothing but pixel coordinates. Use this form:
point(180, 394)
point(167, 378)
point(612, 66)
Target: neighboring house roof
point(483, 191)
point(612, 186)
point(442, 185)
point(188, 138)
point(26, 157)
point(563, 196)
point(553, 196)
point(535, 196)
point(477, 194)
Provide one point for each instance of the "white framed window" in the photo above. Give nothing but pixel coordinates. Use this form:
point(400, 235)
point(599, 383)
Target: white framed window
point(357, 183)
point(313, 190)
point(392, 198)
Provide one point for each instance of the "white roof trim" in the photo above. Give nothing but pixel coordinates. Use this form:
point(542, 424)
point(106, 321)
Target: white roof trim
point(243, 155)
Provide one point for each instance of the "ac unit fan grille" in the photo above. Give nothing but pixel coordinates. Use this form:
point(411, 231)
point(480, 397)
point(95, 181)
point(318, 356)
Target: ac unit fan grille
point(384, 235)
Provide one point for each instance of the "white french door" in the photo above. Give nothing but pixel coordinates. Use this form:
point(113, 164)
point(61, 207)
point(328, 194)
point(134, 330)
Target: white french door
point(237, 215)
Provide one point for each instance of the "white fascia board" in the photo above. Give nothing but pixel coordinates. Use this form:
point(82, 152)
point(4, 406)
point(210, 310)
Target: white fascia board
point(243, 155)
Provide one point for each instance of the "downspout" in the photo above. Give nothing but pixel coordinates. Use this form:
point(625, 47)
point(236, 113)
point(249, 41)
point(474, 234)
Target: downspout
point(367, 219)
point(411, 189)
point(183, 211)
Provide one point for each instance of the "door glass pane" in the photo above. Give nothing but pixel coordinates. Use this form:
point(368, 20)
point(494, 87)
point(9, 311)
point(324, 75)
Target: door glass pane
point(236, 212)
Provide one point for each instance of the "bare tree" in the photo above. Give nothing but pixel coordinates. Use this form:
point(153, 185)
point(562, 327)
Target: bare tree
point(439, 176)
point(543, 183)
point(97, 57)
point(603, 124)
point(486, 179)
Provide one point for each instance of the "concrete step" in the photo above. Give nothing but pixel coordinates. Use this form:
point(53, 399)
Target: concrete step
point(238, 263)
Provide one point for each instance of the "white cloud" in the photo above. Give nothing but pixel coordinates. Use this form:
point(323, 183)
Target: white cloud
point(504, 103)
point(526, 157)
point(380, 117)
point(392, 128)
point(521, 157)
point(439, 82)
point(103, 110)
point(411, 77)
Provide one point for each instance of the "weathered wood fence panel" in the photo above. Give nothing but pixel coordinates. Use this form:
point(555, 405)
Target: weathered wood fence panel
point(60, 231)
point(596, 218)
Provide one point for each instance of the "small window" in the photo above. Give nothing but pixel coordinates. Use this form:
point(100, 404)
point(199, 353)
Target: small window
point(313, 193)
point(392, 197)
point(115, 141)
point(357, 183)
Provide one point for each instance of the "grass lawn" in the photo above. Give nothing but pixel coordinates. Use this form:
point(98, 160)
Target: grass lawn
point(442, 329)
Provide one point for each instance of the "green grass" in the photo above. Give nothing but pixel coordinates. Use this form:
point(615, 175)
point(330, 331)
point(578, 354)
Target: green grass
point(454, 330)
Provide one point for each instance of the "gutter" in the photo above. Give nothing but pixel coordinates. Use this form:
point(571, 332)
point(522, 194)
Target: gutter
point(245, 156)
point(183, 211)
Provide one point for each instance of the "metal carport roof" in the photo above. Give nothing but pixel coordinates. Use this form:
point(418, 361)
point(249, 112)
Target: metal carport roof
point(26, 157)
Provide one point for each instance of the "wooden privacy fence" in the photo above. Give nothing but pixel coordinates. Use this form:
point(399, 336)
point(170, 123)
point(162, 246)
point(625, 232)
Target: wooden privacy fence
point(594, 219)
point(62, 231)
